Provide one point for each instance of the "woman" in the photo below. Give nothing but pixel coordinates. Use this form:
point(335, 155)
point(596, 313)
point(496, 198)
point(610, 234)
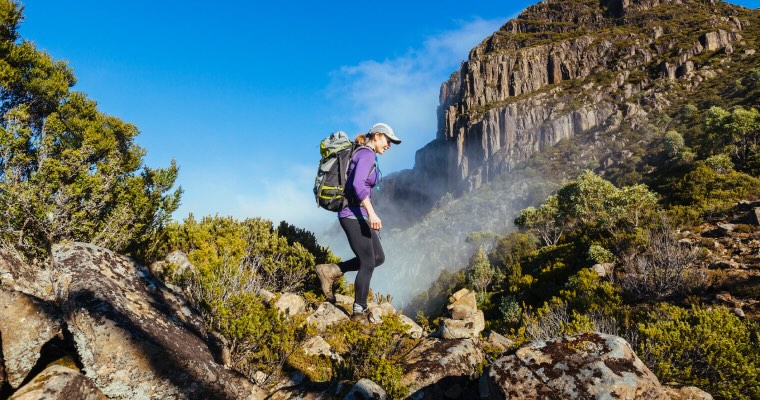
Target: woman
point(359, 219)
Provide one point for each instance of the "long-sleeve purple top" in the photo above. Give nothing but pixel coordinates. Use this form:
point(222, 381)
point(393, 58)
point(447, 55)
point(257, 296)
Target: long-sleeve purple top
point(361, 179)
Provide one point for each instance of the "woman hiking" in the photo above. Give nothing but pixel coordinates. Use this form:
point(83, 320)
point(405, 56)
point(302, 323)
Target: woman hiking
point(359, 219)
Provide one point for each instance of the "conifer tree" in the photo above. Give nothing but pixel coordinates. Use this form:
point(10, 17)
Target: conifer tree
point(67, 170)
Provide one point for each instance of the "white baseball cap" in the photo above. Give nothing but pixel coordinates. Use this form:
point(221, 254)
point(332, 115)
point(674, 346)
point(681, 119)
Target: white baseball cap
point(386, 130)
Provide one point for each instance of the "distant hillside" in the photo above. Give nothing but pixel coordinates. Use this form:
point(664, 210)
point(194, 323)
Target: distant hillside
point(566, 86)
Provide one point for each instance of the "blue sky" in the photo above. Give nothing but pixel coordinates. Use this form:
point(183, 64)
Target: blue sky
point(241, 93)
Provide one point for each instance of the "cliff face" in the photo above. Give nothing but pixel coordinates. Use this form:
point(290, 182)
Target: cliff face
point(561, 68)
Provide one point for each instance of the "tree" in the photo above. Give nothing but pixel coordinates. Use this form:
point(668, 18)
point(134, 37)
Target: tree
point(68, 171)
point(544, 220)
point(735, 132)
point(481, 273)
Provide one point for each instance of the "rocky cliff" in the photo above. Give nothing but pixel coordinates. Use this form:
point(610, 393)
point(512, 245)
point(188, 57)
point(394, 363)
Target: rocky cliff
point(563, 68)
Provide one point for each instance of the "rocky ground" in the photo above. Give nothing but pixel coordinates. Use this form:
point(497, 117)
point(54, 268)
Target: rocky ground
point(97, 325)
point(732, 244)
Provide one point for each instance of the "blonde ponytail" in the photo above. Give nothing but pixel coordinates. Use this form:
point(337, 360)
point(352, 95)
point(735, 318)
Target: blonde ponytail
point(361, 139)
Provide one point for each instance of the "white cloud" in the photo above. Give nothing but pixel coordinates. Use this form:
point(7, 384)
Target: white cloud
point(404, 91)
point(288, 199)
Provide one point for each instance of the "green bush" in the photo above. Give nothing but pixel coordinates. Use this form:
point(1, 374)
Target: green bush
point(705, 347)
point(375, 356)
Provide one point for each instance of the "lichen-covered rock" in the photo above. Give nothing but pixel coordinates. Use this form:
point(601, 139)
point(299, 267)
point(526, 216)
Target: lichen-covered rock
point(462, 328)
point(589, 366)
point(19, 275)
point(435, 365)
point(26, 324)
point(57, 382)
point(325, 316)
point(135, 338)
point(365, 389)
point(290, 304)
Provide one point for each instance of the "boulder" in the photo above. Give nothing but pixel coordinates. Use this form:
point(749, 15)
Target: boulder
point(136, 338)
point(462, 328)
point(325, 316)
point(26, 324)
point(458, 295)
point(57, 382)
point(589, 365)
point(365, 389)
point(435, 365)
point(317, 346)
point(464, 307)
point(680, 392)
point(498, 341)
point(603, 270)
point(415, 331)
point(290, 304)
point(343, 299)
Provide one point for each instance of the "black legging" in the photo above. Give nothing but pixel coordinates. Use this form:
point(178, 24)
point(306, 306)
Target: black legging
point(365, 243)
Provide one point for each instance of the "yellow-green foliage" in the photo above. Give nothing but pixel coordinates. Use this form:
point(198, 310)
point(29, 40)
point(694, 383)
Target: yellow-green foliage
point(711, 187)
point(706, 347)
point(234, 260)
point(221, 247)
point(373, 355)
point(586, 292)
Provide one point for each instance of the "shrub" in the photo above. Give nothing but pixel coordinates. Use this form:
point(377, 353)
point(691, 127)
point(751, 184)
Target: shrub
point(705, 347)
point(600, 255)
point(374, 356)
point(662, 269)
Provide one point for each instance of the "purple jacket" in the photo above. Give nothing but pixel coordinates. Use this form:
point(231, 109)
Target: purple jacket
point(360, 183)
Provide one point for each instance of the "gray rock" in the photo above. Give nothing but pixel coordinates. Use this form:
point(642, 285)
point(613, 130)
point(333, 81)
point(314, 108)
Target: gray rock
point(582, 366)
point(415, 331)
point(365, 389)
point(426, 366)
point(26, 324)
point(290, 304)
point(135, 338)
point(57, 382)
point(317, 346)
point(325, 316)
point(603, 270)
point(462, 328)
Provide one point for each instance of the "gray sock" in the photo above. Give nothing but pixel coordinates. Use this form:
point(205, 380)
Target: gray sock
point(358, 308)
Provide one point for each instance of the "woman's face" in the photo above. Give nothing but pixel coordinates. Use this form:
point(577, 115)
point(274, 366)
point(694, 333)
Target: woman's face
point(381, 143)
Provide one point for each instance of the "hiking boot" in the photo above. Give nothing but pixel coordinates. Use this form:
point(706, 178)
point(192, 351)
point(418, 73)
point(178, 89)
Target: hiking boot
point(328, 274)
point(362, 315)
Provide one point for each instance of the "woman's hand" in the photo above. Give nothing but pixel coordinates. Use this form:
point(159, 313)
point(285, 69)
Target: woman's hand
point(374, 222)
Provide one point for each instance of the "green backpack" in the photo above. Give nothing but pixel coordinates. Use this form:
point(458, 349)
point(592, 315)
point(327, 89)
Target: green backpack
point(329, 186)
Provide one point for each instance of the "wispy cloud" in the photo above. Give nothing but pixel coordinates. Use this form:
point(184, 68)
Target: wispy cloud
point(404, 91)
point(401, 91)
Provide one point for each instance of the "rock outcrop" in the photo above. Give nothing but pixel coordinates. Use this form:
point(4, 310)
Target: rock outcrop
point(594, 366)
point(134, 336)
point(26, 324)
point(560, 69)
point(57, 382)
point(436, 366)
